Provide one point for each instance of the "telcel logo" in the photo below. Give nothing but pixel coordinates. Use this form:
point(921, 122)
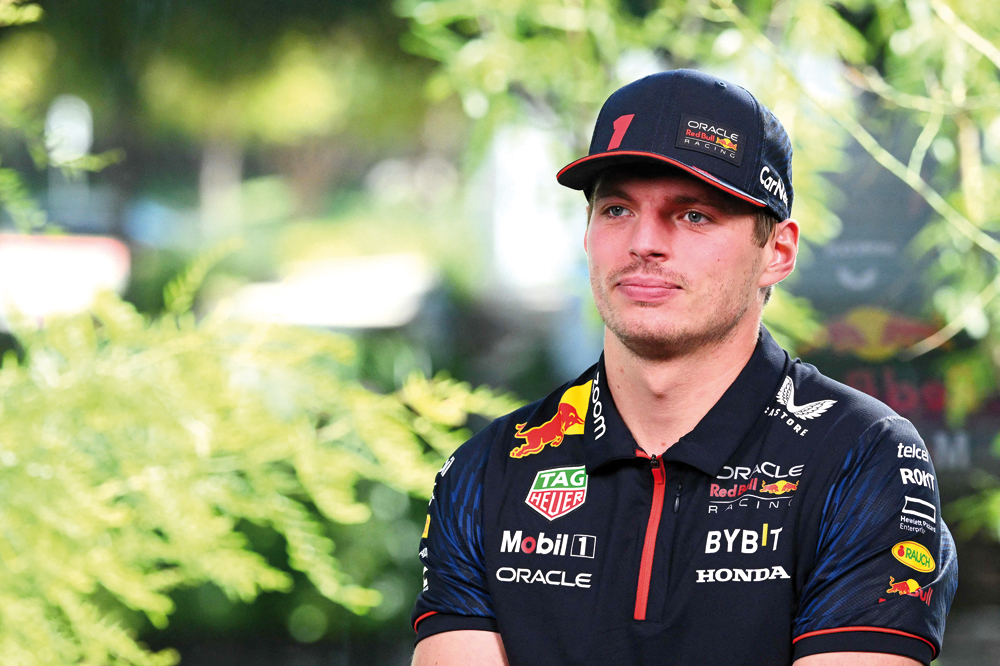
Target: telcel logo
point(914, 555)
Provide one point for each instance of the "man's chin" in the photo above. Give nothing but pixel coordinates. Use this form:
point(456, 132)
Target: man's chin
point(661, 343)
point(665, 339)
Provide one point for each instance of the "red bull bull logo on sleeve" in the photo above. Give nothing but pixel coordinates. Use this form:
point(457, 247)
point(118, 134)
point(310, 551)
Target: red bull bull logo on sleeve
point(556, 492)
point(568, 420)
point(910, 588)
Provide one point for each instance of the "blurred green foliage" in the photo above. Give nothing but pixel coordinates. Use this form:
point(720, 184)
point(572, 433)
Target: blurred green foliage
point(132, 448)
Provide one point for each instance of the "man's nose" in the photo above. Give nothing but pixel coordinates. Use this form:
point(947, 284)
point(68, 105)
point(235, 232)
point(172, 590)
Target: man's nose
point(651, 237)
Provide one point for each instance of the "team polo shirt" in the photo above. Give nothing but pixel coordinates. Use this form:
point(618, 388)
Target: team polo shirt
point(798, 517)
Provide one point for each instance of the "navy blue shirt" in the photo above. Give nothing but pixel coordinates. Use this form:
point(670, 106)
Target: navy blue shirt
point(798, 517)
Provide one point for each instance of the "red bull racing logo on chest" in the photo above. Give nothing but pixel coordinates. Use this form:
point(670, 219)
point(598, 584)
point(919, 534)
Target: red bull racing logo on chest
point(556, 492)
point(568, 420)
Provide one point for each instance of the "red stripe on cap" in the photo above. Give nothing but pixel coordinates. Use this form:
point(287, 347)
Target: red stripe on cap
point(694, 171)
point(421, 618)
point(876, 629)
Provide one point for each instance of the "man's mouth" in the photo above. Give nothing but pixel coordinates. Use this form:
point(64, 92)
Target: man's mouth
point(647, 288)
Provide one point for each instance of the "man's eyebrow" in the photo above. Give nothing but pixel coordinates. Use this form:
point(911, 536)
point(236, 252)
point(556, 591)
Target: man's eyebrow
point(606, 191)
point(720, 202)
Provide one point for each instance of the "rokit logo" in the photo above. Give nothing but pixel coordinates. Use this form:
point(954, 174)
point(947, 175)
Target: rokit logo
point(741, 575)
point(750, 541)
point(583, 545)
point(916, 476)
point(792, 412)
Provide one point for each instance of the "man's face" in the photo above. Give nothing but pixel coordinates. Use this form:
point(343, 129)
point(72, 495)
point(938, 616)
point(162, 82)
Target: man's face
point(673, 264)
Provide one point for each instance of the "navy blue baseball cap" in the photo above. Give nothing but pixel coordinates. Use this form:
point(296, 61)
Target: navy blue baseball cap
point(713, 129)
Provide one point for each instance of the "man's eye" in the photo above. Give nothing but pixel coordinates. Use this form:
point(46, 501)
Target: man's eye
point(694, 216)
point(616, 211)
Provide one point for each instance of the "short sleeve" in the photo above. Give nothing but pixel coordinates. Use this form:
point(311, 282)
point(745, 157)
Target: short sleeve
point(885, 571)
point(454, 594)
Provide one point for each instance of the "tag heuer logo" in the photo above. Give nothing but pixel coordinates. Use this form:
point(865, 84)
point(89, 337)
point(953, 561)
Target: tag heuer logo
point(556, 492)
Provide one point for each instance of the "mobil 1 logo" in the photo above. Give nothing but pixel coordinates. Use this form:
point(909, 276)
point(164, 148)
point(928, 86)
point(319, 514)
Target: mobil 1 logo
point(577, 545)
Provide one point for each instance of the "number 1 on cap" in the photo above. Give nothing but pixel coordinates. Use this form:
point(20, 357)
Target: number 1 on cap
point(620, 126)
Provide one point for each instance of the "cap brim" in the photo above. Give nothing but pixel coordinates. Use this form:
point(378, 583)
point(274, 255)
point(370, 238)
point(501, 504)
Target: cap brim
point(580, 174)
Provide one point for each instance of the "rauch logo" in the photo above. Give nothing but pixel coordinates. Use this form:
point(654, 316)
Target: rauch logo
point(556, 492)
point(914, 555)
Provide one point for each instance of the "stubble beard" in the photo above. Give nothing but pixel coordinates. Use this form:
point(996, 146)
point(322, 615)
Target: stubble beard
point(670, 340)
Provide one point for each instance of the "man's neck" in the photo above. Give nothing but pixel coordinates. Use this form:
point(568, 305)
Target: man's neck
point(663, 400)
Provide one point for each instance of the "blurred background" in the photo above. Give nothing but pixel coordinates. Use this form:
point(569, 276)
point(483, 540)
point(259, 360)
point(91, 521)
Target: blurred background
point(254, 257)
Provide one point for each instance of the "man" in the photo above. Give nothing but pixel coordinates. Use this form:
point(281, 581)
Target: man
point(696, 496)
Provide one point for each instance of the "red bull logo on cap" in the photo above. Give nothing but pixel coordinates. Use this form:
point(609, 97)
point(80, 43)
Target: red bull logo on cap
point(726, 143)
point(568, 420)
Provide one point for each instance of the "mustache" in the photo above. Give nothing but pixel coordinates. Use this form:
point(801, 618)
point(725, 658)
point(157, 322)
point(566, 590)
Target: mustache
point(650, 270)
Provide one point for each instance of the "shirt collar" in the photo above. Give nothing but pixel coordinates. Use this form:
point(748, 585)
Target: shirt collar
point(716, 437)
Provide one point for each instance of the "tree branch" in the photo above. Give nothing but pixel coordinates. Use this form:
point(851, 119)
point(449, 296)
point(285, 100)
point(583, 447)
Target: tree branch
point(871, 81)
point(924, 141)
point(953, 327)
point(967, 34)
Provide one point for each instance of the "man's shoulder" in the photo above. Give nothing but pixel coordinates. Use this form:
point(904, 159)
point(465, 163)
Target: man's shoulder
point(835, 411)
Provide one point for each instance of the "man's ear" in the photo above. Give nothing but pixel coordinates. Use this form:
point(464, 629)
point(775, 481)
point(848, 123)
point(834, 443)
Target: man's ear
point(586, 229)
point(780, 252)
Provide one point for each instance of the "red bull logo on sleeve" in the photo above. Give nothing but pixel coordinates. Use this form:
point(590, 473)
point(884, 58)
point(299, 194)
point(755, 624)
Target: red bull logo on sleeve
point(568, 420)
point(909, 588)
point(556, 492)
